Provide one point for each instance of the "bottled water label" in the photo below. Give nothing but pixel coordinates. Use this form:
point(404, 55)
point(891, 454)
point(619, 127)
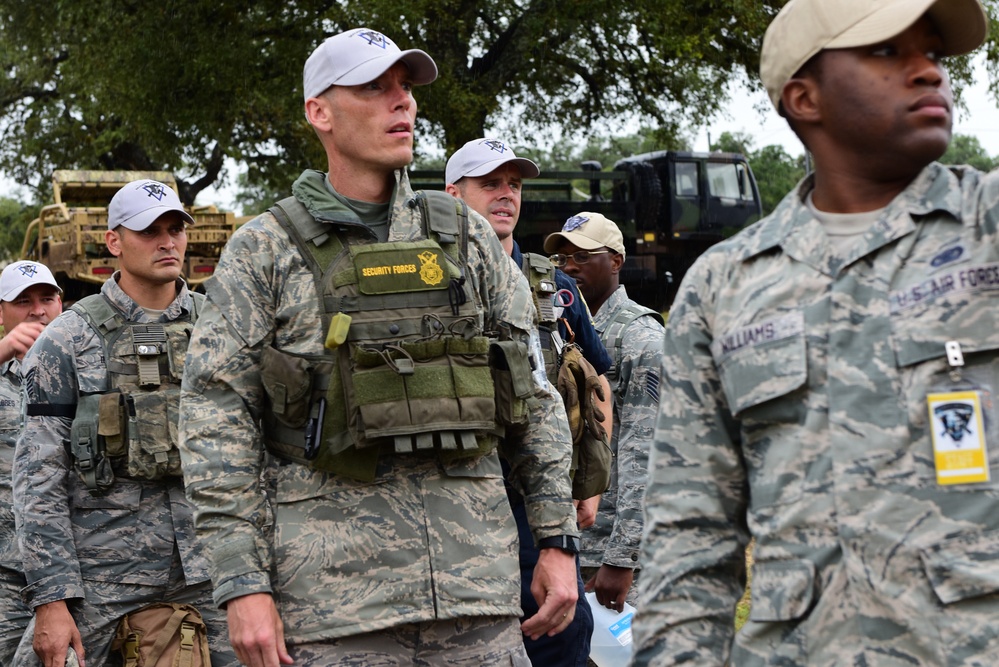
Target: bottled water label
point(621, 630)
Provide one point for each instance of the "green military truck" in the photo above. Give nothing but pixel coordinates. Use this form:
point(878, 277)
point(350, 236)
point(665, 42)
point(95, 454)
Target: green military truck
point(670, 205)
point(68, 235)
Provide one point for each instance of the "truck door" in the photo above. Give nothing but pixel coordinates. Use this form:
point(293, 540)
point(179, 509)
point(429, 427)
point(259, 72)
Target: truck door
point(733, 201)
point(685, 204)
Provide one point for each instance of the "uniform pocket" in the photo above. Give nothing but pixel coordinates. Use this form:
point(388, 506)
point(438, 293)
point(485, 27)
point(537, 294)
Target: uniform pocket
point(782, 590)
point(762, 366)
point(963, 567)
point(761, 362)
point(919, 336)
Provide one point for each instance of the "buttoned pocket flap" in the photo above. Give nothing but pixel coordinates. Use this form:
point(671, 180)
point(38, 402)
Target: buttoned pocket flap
point(963, 567)
point(782, 590)
point(762, 361)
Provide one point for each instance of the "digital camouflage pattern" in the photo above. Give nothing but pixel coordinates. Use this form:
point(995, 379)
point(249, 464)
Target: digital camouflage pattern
point(794, 411)
point(615, 536)
point(424, 541)
point(14, 614)
point(77, 544)
point(484, 642)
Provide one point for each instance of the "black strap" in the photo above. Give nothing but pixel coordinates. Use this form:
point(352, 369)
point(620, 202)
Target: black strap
point(51, 409)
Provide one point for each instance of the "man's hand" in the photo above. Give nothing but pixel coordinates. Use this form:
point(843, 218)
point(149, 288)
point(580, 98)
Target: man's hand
point(586, 511)
point(55, 631)
point(555, 589)
point(19, 340)
point(256, 631)
point(611, 584)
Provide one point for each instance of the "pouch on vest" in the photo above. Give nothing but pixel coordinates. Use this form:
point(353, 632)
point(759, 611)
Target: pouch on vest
point(163, 634)
point(512, 381)
point(287, 380)
point(87, 446)
point(149, 417)
point(579, 385)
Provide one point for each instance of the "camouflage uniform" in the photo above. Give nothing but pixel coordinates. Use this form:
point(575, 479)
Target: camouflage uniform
point(425, 541)
point(14, 615)
point(795, 412)
point(109, 554)
point(615, 536)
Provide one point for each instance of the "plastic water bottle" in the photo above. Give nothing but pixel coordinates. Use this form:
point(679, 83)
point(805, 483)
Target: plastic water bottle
point(610, 643)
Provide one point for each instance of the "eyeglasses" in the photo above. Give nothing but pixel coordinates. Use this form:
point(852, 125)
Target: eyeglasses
point(579, 257)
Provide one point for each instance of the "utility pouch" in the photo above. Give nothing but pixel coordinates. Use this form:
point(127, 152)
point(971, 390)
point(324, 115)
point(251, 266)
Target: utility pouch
point(112, 425)
point(163, 635)
point(87, 446)
point(287, 380)
point(512, 381)
point(152, 419)
point(579, 386)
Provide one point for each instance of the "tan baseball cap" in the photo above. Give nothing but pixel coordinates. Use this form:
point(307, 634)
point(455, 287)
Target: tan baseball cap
point(588, 231)
point(805, 27)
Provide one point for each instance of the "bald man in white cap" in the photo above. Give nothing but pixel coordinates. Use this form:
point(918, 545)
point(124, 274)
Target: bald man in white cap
point(347, 333)
point(830, 374)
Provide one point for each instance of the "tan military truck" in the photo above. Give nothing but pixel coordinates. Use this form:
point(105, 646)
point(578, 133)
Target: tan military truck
point(68, 236)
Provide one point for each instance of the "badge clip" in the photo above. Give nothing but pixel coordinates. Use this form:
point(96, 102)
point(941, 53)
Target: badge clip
point(955, 359)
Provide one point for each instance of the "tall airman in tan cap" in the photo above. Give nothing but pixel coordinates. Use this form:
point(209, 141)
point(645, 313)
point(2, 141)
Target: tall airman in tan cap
point(829, 374)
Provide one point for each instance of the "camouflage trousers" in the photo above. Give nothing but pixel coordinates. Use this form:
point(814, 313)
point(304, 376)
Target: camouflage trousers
point(98, 614)
point(14, 614)
point(488, 641)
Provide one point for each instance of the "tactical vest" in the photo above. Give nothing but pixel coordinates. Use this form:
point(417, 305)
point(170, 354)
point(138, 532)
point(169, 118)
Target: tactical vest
point(407, 365)
point(613, 337)
point(130, 430)
point(540, 274)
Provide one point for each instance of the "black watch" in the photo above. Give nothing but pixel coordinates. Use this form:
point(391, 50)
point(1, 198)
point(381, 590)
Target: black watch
point(566, 543)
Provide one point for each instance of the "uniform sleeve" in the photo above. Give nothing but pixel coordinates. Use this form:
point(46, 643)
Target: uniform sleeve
point(221, 448)
point(42, 467)
point(641, 358)
point(539, 454)
point(580, 319)
point(693, 549)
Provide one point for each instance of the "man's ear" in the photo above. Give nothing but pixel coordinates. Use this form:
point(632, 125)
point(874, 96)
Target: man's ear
point(800, 100)
point(452, 190)
point(617, 260)
point(113, 241)
point(317, 111)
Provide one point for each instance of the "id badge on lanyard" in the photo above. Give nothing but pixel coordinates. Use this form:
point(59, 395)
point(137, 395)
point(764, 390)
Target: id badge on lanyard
point(960, 422)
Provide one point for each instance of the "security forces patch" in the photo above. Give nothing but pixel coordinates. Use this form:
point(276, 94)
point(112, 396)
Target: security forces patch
point(396, 268)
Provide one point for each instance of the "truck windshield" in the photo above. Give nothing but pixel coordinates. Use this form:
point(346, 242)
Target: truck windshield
point(729, 180)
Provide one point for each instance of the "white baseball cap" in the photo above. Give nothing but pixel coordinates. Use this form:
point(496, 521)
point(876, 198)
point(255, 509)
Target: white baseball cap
point(359, 56)
point(19, 276)
point(140, 203)
point(805, 27)
point(482, 156)
point(588, 231)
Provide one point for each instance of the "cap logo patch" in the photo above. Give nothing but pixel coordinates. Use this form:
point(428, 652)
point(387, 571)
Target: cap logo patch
point(374, 38)
point(154, 190)
point(574, 223)
point(495, 145)
point(28, 270)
